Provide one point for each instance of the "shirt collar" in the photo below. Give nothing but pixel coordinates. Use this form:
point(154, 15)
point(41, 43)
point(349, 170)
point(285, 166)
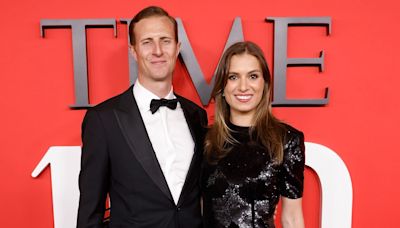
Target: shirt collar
point(144, 96)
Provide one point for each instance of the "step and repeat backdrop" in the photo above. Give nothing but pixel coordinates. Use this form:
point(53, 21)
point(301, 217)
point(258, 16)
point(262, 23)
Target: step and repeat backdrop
point(334, 66)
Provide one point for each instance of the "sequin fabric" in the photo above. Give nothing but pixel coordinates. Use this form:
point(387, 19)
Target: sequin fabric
point(243, 189)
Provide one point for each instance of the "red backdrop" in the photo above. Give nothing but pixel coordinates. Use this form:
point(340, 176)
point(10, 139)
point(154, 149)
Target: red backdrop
point(359, 123)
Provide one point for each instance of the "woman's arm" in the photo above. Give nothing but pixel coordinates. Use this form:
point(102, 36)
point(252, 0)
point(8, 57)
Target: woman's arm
point(292, 213)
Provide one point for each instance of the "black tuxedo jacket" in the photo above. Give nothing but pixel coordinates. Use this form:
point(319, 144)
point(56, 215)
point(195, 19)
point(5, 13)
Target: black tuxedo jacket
point(118, 159)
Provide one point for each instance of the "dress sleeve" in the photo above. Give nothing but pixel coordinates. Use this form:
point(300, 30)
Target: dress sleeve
point(292, 170)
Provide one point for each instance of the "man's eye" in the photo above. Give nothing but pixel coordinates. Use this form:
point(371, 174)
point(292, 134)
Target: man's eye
point(167, 41)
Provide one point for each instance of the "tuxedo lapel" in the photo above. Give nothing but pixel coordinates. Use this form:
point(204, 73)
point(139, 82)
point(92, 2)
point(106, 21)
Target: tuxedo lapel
point(192, 119)
point(134, 131)
point(196, 130)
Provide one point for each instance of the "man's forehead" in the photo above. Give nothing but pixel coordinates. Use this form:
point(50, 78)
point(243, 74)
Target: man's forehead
point(155, 22)
point(154, 27)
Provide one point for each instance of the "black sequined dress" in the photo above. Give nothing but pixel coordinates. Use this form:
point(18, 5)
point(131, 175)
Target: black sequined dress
point(243, 189)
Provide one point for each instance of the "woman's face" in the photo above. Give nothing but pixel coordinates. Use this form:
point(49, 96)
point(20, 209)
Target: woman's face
point(244, 88)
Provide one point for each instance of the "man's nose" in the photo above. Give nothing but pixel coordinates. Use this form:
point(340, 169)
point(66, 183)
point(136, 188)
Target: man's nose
point(157, 49)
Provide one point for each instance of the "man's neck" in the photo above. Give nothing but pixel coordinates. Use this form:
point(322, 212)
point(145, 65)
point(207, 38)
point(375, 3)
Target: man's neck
point(159, 88)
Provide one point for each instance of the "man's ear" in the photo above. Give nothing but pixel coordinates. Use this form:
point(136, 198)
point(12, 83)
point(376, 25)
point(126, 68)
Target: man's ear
point(178, 46)
point(132, 51)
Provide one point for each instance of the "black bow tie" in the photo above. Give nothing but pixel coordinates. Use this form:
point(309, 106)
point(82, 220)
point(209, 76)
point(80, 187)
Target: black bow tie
point(156, 104)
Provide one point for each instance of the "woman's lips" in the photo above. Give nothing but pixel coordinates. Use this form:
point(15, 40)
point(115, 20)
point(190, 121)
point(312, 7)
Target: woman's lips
point(243, 98)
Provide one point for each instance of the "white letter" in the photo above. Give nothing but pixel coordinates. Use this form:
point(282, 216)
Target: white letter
point(336, 187)
point(65, 166)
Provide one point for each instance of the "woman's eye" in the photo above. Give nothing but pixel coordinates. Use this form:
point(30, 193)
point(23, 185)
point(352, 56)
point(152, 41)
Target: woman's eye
point(253, 76)
point(232, 77)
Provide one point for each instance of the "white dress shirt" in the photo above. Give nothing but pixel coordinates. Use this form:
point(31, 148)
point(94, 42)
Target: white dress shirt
point(170, 137)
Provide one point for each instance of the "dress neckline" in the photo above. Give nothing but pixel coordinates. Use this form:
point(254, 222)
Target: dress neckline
point(237, 127)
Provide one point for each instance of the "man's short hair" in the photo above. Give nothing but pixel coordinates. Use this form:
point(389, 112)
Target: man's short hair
point(151, 11)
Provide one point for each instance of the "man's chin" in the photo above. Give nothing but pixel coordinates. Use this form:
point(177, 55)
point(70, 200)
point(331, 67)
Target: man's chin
point(160, 77)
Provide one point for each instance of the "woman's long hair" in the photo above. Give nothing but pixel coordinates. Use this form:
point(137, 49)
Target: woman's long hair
point(268, 130)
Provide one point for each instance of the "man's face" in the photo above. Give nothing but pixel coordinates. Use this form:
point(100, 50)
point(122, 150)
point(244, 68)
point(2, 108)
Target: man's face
point(155, 49)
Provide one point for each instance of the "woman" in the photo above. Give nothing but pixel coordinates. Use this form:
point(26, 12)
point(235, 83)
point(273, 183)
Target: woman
point(252, 159)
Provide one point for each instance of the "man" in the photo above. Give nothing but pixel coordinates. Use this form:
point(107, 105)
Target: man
point(144, 152)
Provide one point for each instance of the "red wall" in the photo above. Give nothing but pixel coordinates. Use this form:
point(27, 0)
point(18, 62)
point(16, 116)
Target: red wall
point(359, 123)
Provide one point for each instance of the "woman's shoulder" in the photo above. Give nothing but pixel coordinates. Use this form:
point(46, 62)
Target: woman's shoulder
point(292, 135)
point(289, 130)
